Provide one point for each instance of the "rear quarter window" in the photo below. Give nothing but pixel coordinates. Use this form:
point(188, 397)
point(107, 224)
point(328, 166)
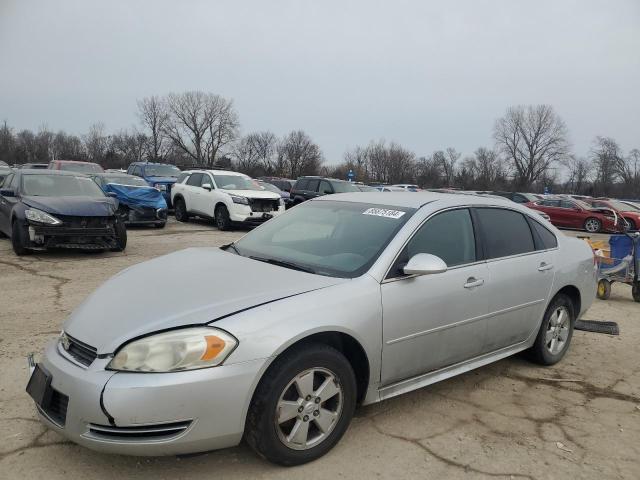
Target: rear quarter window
point(544, 238)
point(505, 232)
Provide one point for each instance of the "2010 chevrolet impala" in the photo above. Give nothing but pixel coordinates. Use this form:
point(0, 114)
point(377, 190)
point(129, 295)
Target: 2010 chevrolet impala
point(343, 300)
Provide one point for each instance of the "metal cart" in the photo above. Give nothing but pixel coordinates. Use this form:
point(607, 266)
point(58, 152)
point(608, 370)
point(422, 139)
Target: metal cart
point(623, 265)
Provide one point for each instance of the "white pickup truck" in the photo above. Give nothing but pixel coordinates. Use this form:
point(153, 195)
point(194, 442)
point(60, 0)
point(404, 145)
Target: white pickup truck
point(227, 197)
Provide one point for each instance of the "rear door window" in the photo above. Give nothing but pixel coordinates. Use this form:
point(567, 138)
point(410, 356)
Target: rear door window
point(505, 232)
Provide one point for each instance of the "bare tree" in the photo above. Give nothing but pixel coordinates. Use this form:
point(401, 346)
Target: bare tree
point(532, 138)
point(254, 153)
point(483, 171)
point(153, 115)
point(128, 147)
point(579, 170)
point(299, 154)
point(200, 124)
point(607, 159)
point(96, 143)
point(629, 173)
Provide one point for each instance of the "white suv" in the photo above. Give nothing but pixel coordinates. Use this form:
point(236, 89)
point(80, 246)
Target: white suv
point(227, 197)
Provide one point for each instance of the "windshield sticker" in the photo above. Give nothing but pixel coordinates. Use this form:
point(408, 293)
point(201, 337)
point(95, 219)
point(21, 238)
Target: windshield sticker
point(383, 212)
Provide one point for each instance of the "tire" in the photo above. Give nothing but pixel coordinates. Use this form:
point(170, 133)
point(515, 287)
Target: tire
point(268, 437)
point(604, 289)
point(635, 292)
point(592, 225)
point(19, 238)
point(631, 225)
point(180, 210)
point(223, 222)
point(121, 237)
point(543, 351)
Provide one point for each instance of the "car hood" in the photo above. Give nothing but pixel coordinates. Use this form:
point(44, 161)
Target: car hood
point(195, 286)
point(73, 206)
point(253, 194)
point(161, 179)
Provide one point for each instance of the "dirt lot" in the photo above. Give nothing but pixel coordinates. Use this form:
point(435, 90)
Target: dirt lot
point(510, 419)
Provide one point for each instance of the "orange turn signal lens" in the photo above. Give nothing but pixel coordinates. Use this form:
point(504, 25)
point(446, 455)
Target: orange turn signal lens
point(214, 346)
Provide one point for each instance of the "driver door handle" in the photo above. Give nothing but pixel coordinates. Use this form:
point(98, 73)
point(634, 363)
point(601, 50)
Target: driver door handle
point(545, 266)
point(473, 282)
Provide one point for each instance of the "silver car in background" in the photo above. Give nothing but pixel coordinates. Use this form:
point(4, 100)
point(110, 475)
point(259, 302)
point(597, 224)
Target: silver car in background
point(346, 299)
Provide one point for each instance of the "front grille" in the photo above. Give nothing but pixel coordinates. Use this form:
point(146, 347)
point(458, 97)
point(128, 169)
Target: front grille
point(57, 408)
point(83, 353)
point(263, 204)
point(161, 431)
point(86, 222)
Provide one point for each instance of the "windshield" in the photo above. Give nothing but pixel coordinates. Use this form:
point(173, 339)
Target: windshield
point(344, 187)
point(271, 188)
point(126, 180)
point(59, 186)
point(333, 238)
point(623, 207)
point(81, 167)
point(235, 182)
point(161, 171)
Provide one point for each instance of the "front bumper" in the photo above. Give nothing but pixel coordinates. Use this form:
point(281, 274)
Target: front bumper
point(150, 413)
point(243, 214)
point(146, 216)
point(41, 237)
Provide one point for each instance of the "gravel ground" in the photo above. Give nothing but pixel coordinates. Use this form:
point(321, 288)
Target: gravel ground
point(578, 419)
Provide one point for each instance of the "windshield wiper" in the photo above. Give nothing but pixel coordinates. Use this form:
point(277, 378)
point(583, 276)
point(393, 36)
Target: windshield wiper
point(282, 263)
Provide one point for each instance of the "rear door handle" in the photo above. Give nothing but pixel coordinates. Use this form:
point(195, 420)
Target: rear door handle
point(473, 282)
point(545, 266)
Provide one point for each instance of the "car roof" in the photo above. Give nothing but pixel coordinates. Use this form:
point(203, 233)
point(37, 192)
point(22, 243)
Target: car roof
point(46, 171)
point(419, 199)
point(74, 161)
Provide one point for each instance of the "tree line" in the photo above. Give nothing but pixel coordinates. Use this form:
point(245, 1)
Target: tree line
point(530, 152)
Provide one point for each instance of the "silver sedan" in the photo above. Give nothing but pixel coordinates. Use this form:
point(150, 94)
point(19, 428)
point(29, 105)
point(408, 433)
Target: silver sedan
point(345, 300)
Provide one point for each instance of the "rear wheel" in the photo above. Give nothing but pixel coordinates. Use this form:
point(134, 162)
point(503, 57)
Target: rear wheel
point(303, 405)
point(19, 238)
point(223, 222)
point(181, 210)
point(604, 289)
point(555, 332)
point(592, 225)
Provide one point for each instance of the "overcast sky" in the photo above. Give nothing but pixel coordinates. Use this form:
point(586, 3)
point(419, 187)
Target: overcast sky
point(426, 74)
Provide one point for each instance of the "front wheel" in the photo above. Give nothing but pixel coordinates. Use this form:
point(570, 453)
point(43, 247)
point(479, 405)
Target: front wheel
point(592, 225)
point(19, 238)
point(121, 237)
point(181, 210)
point(302, 406)
point(555, 332)
point(223, 222)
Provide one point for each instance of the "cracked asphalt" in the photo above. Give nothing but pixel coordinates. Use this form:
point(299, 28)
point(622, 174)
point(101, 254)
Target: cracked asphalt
point(512, 419)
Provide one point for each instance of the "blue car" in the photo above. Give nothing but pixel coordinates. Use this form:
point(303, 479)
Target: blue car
point(159, 175)
point(140, 204)
point(41, 209)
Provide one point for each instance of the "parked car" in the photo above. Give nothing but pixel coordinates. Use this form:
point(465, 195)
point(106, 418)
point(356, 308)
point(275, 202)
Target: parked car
point(629, 214)
point(567, 213)
point(311, 187)
point(286, 197)
point(159, 175)
point(139, 204)
point(407, 186)
point(389, 188)
point(75, 166)
point(277, 337)
point(518, 197)
point(283, 184)
point(229, 198)
point(33, 166)
point(42, 209)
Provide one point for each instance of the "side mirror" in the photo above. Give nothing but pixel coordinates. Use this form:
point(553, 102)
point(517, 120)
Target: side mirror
point(207, 186)
point(424, 264)
point(7, 192)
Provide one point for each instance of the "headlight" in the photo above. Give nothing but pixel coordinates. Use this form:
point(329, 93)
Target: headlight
point(242, 200)
point(185, 349)
point(161, 186)
point(41, 217)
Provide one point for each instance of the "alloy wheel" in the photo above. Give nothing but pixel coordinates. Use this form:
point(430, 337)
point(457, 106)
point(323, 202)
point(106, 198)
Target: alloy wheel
point(592, 225)
point(308, 409)
point(557, 331)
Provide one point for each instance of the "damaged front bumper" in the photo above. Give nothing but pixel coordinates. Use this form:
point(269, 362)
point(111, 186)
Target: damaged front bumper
point(147, 413)
point(43, 237)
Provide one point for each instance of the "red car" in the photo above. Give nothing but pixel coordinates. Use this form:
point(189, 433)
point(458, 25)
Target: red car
point(75, 166)
point(630, 214)
point(570, 213)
